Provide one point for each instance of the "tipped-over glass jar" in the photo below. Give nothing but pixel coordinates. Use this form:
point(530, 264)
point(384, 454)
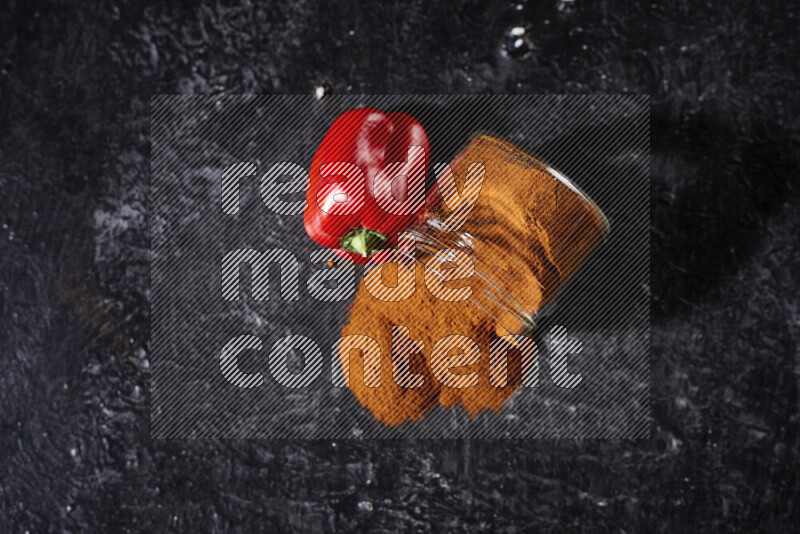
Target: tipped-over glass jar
point(526, 227)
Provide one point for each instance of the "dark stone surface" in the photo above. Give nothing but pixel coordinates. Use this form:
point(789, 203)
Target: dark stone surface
point(75, 452)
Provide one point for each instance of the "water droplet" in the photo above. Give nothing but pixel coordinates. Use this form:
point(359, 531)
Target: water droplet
point(565, 6)
point(351, 33)
point(518, 43)
point(365, 506)
point(73, 452)
point(519, 7)
point(323, 90)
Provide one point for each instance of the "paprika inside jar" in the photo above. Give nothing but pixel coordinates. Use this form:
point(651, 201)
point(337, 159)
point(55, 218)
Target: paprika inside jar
point(525, 226)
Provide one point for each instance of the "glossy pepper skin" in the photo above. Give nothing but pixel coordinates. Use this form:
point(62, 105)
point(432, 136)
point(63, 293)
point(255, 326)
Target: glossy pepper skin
point(353, 171)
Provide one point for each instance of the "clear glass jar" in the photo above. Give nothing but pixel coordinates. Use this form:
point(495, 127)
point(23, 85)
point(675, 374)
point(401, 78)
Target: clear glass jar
point(530, 229)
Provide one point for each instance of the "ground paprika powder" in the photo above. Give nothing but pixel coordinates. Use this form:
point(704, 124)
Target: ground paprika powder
point(530, 222)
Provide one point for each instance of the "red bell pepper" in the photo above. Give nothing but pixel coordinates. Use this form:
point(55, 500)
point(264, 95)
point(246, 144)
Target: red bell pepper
point(367, 181)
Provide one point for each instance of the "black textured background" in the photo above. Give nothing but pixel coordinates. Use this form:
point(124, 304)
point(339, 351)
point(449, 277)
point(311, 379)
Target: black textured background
point(75, 84)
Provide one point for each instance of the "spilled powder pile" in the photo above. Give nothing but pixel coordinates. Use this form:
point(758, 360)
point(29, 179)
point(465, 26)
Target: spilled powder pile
point(528, 228)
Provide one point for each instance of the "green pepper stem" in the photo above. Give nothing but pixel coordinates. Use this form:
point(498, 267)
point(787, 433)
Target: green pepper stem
point(363, 241)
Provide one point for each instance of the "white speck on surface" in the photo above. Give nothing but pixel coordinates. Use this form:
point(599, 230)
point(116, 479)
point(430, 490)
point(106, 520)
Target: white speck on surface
point(322, 91)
